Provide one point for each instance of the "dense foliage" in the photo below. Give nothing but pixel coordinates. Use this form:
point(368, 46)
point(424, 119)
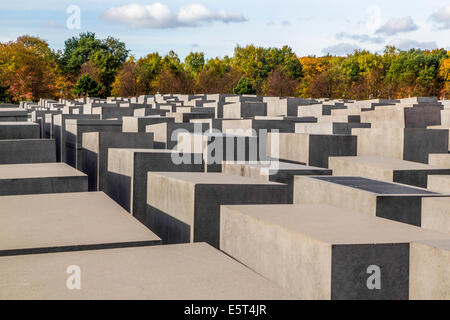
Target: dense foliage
point(30, 69)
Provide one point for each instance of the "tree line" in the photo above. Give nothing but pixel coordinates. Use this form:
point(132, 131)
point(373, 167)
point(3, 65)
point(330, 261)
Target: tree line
point(88, 66)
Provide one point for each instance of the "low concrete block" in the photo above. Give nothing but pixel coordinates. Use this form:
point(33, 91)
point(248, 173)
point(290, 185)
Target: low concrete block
point(275, 171)
point(67, 222)
point(35, 178)
point(371, 197)
point(185, 272)
point(386, 169)
point(195, 216)
point(324, 252)
point(310, 149)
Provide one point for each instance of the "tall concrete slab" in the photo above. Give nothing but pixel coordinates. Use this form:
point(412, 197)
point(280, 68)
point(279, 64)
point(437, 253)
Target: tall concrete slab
point(127, 174)
point(95, 153)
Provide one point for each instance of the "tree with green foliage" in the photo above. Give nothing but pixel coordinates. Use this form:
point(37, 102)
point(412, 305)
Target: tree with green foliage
point(86, 87)
point(194, 63)
point(244, 87)
point(106, 55)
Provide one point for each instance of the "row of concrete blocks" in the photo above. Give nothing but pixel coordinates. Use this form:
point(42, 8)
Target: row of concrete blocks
point(302, 248)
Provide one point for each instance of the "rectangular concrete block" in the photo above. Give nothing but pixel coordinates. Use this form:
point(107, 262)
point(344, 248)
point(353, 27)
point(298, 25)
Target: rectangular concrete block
point(59, 132)
point(74, 136)
point(95, 153)
point(127, 174)
point(275, 171)
point(323, 252)
point(412, 144)
point(19, 130)
point(165, 135)
point(310, 149)
point(67, 222)
point(27, 151)
point(195, 215)
point(36, 178)
point(138, 124)
point(386, 169)
point(392, 201)
point(175, 272)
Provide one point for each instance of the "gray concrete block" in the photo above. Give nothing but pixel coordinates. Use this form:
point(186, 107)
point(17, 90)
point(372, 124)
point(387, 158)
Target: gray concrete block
point(324, 252)
point(37, 178)
point(74, 136)
point(59, 132)
point(19, 130)
point(67, 222)
point(176, 272)
point(386, 169)
point(95, 153)
point(27, 151)
point(127, 174)
point(392, 201)
point(310, 149)
point(195, 215)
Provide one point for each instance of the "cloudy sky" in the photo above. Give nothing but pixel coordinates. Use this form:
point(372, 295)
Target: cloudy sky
point(216, 27)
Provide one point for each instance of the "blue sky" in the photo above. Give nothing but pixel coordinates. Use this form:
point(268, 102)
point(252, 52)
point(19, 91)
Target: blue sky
point(216, 27)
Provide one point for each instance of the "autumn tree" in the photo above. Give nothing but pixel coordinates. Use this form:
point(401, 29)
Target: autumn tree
point(28, 68)
point(280, 83)
point(126, 82)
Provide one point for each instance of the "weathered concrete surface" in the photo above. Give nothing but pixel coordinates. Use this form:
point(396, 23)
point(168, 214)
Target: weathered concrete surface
point(175, 272)
point(127, 174)
point(386, 169)
point(35, 178)
point(320, 251)
point(195, 214)
point(430, 279)
point(27, 151)
point(436, 214)
point(392, 201)
point(439, 160)
point(67, 222)
point(439, 183)
point(95, 153)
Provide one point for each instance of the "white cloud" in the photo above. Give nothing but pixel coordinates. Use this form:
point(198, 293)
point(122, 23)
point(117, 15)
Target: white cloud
point(341, 49)
point(397, 25)
point(407, 44)
point(442, 17)
point(160, 16)
point(359, 37)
